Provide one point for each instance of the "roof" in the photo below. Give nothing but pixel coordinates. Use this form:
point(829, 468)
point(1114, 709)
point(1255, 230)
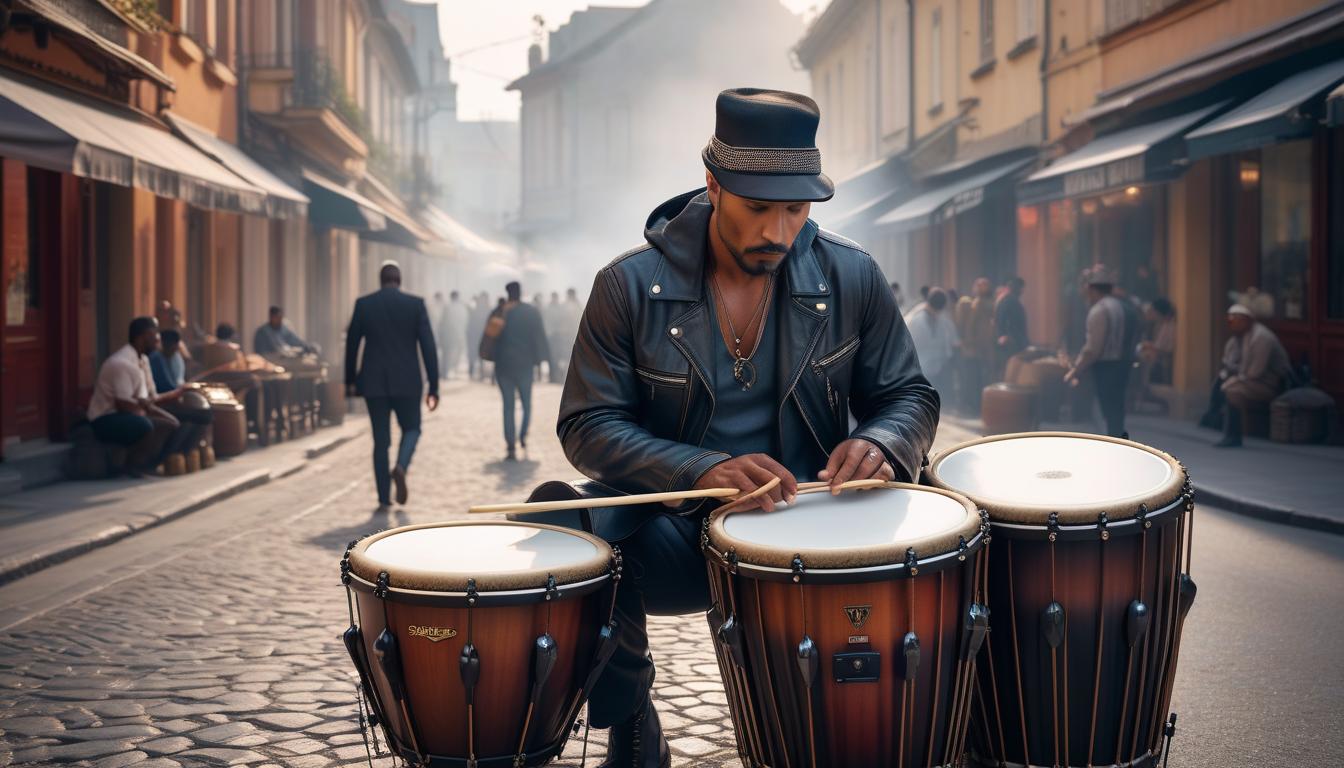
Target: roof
point(616, 22)
point(829, 22)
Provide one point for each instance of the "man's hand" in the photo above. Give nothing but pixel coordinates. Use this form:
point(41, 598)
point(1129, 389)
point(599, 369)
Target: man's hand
point(749, 472)
point(1071, 378)
point(431, 402)
point(855, 459)
point(1003, 341)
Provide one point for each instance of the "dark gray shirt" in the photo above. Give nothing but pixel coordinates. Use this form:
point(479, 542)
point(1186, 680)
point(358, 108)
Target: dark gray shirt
point(745, 421)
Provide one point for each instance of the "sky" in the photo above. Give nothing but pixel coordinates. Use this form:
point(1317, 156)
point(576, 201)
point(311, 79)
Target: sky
point(487, 42)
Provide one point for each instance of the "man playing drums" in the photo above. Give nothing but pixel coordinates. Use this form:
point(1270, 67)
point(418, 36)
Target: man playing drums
point(728, 351)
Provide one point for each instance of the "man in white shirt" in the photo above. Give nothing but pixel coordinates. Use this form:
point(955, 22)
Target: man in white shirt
point(1107, 351)
point(124, 410)
point(935, 336)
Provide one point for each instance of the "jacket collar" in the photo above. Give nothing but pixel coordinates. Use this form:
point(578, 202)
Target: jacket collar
point(678, 229)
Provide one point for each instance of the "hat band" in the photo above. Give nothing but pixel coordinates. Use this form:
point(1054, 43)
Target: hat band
point(764, 160)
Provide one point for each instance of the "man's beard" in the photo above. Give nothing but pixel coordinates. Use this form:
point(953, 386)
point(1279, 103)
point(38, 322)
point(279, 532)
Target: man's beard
point(763, 268)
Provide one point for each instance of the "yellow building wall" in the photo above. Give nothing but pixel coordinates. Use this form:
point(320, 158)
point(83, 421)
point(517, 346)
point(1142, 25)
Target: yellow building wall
point(1171, 38)
point(935, 106)
point(843, 83)
point(1010, 93)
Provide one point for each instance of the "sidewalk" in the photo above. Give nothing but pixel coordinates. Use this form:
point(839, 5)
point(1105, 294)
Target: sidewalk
point(1299, 485)
point(52, 523)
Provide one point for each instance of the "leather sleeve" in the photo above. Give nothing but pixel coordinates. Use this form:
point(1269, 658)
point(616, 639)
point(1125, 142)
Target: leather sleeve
point(429, 351)
point(599, 426)
point(896, 407)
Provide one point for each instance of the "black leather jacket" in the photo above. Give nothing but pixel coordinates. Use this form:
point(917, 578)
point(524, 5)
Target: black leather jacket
point(638, 397)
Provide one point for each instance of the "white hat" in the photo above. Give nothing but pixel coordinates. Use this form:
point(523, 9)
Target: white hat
point(1240, 309)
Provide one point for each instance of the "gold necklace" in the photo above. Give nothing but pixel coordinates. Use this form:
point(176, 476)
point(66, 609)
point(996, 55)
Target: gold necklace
point(743, 369)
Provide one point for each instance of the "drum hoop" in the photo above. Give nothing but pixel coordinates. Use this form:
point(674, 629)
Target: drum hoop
point(808, 575)
point(1084, 514)
point(454, 582)
point(1089, 531)
point(857, 559)
point(486, 599)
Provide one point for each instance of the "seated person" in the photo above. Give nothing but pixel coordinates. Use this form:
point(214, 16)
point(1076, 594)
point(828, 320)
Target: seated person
point(223, 353)
point(277, 339)
point(1255, 370)
point(125, 406)
point(169, 378)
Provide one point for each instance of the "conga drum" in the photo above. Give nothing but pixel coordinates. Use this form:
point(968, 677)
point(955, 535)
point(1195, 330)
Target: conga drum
point(477, 643)
point(229, 428)
point(1008, 408)
point(1046, 376)
point(1090, 567)
point(847, 627)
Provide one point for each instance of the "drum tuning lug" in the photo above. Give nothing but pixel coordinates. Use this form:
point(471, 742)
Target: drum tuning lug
point(961, 548)
point(1143, 517)
point(552, 590)
point(911, 562)
point(798, 568)
point(1137, 621)
point(730, 634)
point(977, 625)
point(345, 572)
point(731, 559)
point(1052, 525)
point(380, 590)
point(808, 661)
point(350, 546)
point(1052, 624)
point(1102, 522)
point(471, 592)
point(617, 564)
point(910, 653)
point(1186, 597)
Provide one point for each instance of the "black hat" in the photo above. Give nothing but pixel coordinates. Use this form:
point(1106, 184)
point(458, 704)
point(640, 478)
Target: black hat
point(764, 146)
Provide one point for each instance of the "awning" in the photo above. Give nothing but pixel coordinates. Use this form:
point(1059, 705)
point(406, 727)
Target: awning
point(402, 228)
point(1334, 107)
point(863, 195)
point(81, 36)
point(282, 200)
point(948, 198)
point(336, 206)
point(1145, 153)
point(1273, 116)
point(72, 134)
point(462, 236)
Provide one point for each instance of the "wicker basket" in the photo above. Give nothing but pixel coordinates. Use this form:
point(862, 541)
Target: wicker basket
point(1302, 415)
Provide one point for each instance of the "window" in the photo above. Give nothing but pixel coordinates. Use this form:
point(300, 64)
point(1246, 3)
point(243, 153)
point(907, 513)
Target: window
point(936, 61)
point(196, 21)
point(1026, 19)
point(223, 38)
point(1285, 227)
point(986, 30)
point(1335, 264)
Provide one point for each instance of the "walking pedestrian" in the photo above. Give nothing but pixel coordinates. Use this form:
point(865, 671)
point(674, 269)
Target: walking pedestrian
point(477, 317)
point(1104, 352)
point(1010, 324)
point(391, 324)
point(515, 339)
point(452, 333)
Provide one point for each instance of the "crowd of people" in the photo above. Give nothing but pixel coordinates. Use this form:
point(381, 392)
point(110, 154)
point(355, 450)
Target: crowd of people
point(1123, 342)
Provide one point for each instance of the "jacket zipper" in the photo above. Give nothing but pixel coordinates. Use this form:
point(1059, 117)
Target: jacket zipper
point(662, 378)
point(791, 391)
point(819, 366)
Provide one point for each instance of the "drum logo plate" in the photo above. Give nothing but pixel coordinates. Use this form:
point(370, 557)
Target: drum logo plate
point(858, 614)
point(432, 634)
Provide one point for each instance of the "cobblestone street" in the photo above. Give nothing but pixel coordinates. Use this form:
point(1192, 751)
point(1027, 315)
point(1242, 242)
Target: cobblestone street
point(214, 639)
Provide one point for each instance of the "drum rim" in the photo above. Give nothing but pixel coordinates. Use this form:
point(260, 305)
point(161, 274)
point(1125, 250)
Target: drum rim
point(750, 553)
point(1079, 514)
point(455, 582)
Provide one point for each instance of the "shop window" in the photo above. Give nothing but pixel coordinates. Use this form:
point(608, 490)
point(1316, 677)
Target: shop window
point(1285, 228)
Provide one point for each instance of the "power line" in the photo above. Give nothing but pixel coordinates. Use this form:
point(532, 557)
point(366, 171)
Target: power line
point(487, 46)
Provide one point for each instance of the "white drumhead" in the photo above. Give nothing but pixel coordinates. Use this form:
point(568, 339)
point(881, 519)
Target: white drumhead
point(1053, 472)
point(481, 549)
point(853, 520)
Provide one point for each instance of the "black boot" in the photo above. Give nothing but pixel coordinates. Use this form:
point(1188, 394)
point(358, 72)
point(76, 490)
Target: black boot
point(1231, 428)
point(638, 743)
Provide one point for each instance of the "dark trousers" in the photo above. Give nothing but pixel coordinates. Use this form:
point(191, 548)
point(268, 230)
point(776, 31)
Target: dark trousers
point(147, 438)
point(513, 383)
point(1111, 378)
point(408, 419)
point(664, 575)
point(194, 423)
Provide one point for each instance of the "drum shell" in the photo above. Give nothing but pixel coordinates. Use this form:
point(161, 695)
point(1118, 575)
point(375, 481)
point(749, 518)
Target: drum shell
point(229, 428)
point(1008, 408)
point(856, 723)
point(504, 637)
point(1093, 668)
point(1046, 376)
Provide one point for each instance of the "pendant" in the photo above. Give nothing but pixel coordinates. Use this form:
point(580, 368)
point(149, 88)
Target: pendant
point(744, 372)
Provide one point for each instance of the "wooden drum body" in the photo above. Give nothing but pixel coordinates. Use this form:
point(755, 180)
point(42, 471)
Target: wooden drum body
point(1090, 568)
point(846, 627)
point(229, 419)
point(1008, 408)
point(479, 641)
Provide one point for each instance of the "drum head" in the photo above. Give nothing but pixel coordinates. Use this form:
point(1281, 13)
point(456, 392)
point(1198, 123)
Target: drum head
point(856, 529)
point(499, 556)
point(1023, 478)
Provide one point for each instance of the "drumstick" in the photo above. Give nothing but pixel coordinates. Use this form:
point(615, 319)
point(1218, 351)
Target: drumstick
point(532, 507)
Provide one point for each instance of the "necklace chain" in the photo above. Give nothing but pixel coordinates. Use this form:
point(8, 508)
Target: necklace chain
point(743, 370)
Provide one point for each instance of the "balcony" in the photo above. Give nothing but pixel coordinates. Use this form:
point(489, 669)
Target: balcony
point(301, 94)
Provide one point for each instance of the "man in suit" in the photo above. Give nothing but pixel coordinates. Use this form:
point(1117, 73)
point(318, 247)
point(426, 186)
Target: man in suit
point(520, 348)
point(391, 324)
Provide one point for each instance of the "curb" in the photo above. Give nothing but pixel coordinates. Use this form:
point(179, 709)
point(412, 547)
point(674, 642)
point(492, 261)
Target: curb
point(16, 570)
point(1226, 500)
